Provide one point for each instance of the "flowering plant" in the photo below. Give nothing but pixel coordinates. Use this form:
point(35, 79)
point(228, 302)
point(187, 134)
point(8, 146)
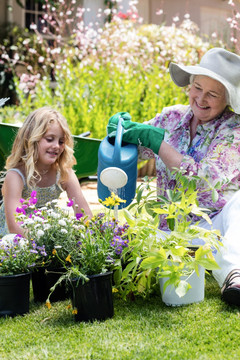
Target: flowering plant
point(83, 247)
point(19, 255)
point(50, 226)
point(98, 244)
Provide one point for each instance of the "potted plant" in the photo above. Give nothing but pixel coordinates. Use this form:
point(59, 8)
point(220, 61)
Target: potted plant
point(18, 257)
point(168, 255)
point(55, 228)
point(89, 253)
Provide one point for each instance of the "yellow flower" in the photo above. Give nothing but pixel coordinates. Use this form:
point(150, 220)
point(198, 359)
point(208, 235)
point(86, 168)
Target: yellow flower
point(74, 312)
point(113, 200)
point(87, 223)
point(109, 202)
point(54, 251)
point(114, 290)
point(69, 306)
point(68, 258)
point(48, 304)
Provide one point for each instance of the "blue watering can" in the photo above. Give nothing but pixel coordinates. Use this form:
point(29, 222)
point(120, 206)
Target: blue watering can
point(117, 168)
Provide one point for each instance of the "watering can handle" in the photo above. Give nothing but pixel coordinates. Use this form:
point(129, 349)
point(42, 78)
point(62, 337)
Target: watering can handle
point(118, 142)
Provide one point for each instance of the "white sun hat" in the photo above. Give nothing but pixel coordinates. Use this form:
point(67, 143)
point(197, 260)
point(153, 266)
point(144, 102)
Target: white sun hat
point(218, 64)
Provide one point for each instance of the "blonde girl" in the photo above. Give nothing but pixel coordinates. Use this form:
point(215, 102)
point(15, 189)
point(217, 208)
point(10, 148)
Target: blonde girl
point(41, 159)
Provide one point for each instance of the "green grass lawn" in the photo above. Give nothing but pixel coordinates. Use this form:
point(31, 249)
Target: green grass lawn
point(140, 329)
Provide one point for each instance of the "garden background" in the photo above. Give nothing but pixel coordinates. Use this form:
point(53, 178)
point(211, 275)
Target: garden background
point(89, 74)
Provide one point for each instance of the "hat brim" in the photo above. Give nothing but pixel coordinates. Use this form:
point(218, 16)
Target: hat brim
point(180, 75)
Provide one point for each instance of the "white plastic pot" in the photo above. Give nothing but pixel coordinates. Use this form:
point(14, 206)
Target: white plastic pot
point(194, 295)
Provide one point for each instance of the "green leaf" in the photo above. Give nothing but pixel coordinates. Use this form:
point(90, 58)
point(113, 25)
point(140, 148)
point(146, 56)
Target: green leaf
point(182, 288)
point(139, 195)
point(209, 264)
point(215, 195)
point(152, 262)
point(170, 194)
point(130, 219)
point(128, 269)
point(171, 223)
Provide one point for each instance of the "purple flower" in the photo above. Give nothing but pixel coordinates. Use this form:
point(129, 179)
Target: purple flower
point(32, 201)
point(33, 194)
point(70, 203)
point(79, 216)
point(118, 250)
point(20, 210)
point(33, 251)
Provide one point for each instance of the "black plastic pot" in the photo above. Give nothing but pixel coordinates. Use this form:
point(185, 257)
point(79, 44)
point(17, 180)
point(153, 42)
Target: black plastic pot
point(14, 294)
point(93, 299)
point(43, 279)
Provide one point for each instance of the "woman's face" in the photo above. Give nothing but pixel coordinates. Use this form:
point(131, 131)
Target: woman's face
point(207, 98)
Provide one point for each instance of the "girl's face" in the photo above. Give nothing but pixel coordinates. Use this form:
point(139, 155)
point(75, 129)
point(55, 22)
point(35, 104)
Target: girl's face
point(207, 98)
point(51, 146)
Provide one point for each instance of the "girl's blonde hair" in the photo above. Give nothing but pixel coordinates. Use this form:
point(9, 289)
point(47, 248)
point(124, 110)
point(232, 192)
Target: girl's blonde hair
point(25, 146)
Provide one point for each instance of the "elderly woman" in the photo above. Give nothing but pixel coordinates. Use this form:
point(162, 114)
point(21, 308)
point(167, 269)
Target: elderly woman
point(202, 138)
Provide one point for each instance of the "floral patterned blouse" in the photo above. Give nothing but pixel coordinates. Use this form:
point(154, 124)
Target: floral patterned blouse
point(214, 153)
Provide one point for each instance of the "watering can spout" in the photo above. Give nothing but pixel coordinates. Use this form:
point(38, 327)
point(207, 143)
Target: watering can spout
point(117, 167)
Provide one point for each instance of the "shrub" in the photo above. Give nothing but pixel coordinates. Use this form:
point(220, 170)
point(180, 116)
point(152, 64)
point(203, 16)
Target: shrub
point(88, 97)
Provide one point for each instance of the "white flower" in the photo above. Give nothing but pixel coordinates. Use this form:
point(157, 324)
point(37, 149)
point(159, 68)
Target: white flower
point(8, 239)
point(26, 41)
point(39, 219)
point(40, 233)
point(41, 59)
point(23, 243)
point(55, 215)
point(29, 221)
point(62, 222)
point(64, 231)
point(43, 208)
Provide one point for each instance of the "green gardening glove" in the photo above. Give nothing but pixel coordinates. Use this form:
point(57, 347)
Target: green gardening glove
point(139, 134)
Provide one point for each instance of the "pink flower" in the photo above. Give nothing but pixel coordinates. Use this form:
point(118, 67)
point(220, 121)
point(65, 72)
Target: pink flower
point(70, 203)
point(79, 216)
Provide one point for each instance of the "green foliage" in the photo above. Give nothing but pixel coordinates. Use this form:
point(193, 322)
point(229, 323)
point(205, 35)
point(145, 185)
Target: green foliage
point(88, 97)
point(154, 253)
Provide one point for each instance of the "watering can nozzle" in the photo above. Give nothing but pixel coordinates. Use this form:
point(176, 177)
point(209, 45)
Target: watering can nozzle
point(113, 177)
